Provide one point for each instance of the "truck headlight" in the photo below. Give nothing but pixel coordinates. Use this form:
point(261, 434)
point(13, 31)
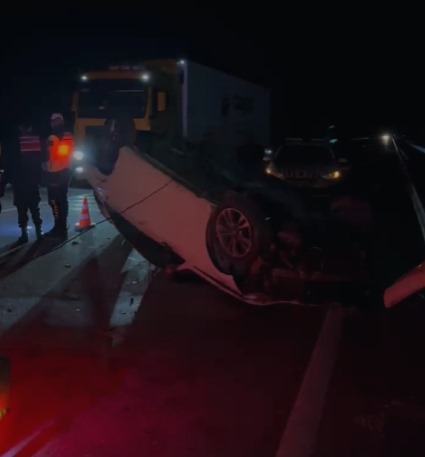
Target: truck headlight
point(333, 175)
point(78, 155)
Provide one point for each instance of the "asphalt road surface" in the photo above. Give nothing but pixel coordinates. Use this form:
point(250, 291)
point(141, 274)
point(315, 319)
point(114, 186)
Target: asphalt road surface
point(9, 229)
point(111, 358)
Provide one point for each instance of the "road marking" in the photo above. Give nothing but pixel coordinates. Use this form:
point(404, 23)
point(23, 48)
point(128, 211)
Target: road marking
point(411, 189)
point(16, 450)
point(138, 275)
point(299, 437)
point(419, 148)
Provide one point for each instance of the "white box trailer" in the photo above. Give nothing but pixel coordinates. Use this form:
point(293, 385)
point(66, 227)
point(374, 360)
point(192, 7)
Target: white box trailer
point(229, 109)
point(174, 102)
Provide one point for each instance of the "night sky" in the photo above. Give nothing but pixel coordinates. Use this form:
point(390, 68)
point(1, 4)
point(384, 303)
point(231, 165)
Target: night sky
point(361, 75)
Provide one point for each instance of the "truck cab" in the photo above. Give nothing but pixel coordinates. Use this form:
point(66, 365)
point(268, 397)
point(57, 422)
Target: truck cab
point(142, 92)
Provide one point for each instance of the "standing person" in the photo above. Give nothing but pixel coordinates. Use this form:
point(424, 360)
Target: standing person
point(57, 166)
point(23, 171)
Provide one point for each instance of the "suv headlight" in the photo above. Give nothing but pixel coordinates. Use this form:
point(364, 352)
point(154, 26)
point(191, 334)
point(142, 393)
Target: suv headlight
point(272, 170)
point(333, 175)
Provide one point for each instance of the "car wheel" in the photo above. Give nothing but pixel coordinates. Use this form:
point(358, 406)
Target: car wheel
point(122, 129)
point(238, 232)
point(117, 132)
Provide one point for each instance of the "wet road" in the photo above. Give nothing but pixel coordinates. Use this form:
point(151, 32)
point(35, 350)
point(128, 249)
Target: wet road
point(111, 358)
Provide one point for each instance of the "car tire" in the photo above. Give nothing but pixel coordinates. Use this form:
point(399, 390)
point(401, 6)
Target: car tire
point(238, 232)
point(122, 129)
point(117, 132)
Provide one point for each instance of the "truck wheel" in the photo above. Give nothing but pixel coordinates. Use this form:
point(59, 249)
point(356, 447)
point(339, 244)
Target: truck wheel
point(238, 232)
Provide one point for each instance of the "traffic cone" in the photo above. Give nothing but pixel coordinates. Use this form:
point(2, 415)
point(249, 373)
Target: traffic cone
point(85, 222)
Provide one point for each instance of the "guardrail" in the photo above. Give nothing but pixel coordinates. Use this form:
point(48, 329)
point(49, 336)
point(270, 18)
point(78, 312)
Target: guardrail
point(411, 189)
point(413, 281)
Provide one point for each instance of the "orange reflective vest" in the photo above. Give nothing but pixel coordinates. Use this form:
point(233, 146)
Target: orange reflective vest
point(60, 152)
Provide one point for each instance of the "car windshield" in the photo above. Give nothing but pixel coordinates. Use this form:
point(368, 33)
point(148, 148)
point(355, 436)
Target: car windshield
point(99, 96)
point(303, 154)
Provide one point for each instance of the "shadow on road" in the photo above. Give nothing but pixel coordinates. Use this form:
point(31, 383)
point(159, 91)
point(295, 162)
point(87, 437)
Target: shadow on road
point(16, 256)
point(7, 253)
point(9, 249)
point(101, 281)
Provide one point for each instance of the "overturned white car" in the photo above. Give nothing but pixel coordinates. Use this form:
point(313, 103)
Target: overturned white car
point(255, 240)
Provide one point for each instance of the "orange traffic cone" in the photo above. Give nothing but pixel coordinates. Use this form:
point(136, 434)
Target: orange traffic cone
point(85, 222)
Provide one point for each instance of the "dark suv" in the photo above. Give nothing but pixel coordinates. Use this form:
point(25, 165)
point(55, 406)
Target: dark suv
point(306, 164)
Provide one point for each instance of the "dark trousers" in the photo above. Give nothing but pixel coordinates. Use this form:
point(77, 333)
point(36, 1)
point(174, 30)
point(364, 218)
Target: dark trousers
point(57, 194)
point(27, 198)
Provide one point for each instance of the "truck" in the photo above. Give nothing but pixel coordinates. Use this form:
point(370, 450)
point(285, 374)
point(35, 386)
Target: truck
point(181, 101)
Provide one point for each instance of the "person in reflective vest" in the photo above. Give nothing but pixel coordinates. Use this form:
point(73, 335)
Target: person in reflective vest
point(24, 173)
point(57, 167)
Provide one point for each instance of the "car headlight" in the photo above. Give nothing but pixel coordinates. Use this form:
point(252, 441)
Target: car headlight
point(272, 170)
point(78, 155)
point(333, 175)
point(79, 169)
point(386, 138)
